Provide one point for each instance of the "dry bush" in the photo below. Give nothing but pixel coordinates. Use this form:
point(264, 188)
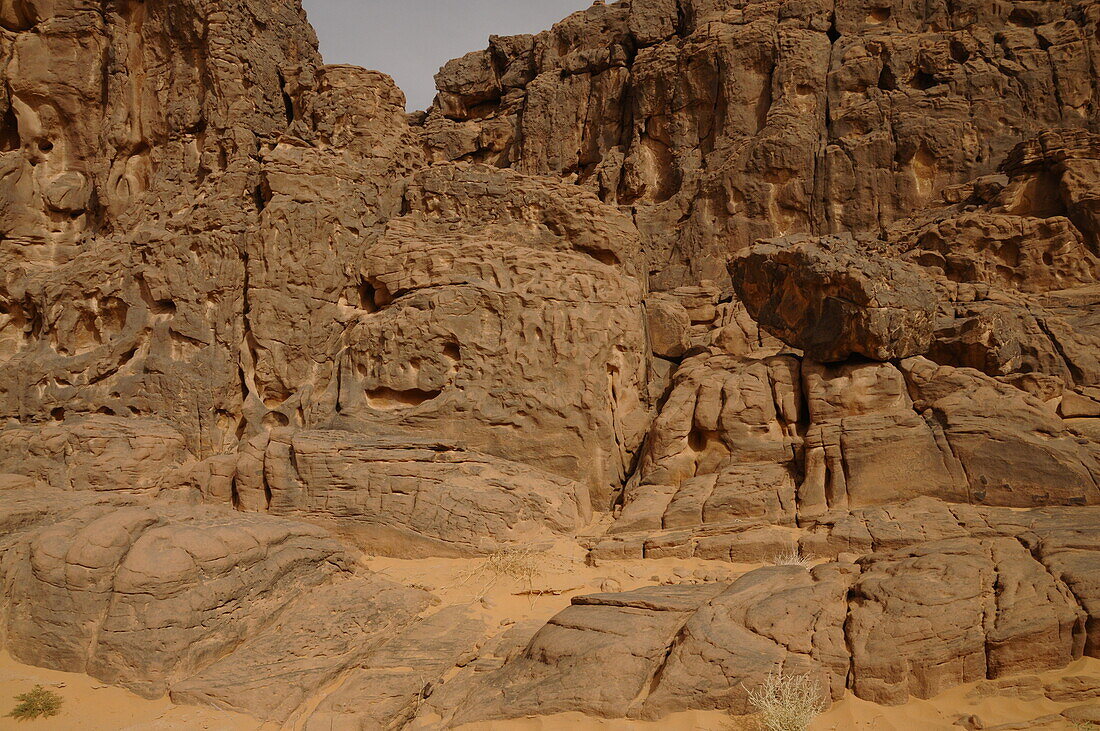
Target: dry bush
point(790, 557)
point(520, 564)
point(36, 703)
point(788, 702)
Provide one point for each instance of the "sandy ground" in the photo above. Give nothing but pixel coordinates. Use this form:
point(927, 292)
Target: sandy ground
point(940, 713)
point(558, 574)
point(90, 705)
point(503, 601)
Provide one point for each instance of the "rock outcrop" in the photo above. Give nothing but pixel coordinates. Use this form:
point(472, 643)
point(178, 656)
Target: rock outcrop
point(723, 122)
point(912, 621)
point(833, 301)
point(143, 596)
point(407, 496)
point(723, 281)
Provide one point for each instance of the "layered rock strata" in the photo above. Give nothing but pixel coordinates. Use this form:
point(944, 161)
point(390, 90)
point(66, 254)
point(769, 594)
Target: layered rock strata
point(707, 280)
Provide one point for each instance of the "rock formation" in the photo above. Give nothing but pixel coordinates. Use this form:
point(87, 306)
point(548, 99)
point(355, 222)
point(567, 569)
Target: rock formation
point(706, 280)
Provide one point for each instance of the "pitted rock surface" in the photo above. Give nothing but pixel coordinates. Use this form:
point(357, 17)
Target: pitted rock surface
point(710, 282)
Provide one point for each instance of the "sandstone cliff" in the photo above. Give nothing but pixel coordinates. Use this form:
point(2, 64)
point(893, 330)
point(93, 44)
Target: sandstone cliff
point(676, 279)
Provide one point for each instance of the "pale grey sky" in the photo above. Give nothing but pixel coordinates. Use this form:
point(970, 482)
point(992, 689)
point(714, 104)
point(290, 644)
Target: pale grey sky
point(411, 39)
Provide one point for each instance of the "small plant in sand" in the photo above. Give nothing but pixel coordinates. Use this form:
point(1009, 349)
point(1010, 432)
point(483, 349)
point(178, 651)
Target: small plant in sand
point(521, 564)
point(790, 557)
point(36, 703)
point(788, 702)
point(517, 564)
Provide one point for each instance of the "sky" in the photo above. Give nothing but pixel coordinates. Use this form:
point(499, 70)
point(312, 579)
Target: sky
point(411, 39)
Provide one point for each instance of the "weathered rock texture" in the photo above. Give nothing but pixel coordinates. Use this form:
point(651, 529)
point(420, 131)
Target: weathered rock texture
point(394, 495)
point(910, 621)
point(833, 301)
point(143, 596)
point(720, 122)
point(708, 279)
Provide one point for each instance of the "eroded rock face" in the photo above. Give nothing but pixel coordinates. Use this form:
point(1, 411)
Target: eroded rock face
point(676, 279)
point(908, 622)
point(833, 300)
point(409, 497)
point(94, 452)
point(726, 122)
point(142, 596)
point(496, 322)
point(742, 446)
point(132, 135)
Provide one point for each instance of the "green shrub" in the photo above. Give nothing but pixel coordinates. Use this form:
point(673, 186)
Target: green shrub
point(38, 702)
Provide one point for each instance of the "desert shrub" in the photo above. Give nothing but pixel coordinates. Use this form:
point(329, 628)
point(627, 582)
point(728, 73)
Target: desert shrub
point(521, 565)
point(36, 703)
point(788, 702)
point(790, 557)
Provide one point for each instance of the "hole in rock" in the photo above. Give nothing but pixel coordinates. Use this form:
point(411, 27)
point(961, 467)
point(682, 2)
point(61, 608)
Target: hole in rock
point(959, 54)
point(276, 419)
point(275, 396)
point(604, 257)
point(878, 15)
point(366, 297)
point(112, 314)
point(260, 198)
point(698, 439)
point(58, 414)
point(45, 146)
point(886, 80)
point(373, 295)
point(923, 80)
point(23, 16)
point(288, 103)
point(9, 132)
point(1025, 18)
point(386, 399)
point(157, 307)
point(452, 351)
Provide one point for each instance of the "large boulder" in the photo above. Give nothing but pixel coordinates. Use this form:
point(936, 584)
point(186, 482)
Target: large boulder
point(410, 496)
point(925, 619)
point(143, 597)
point(833, 299)
point(388, 688)
point(321, 636)
point(1012, 448)
point(565, 666)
